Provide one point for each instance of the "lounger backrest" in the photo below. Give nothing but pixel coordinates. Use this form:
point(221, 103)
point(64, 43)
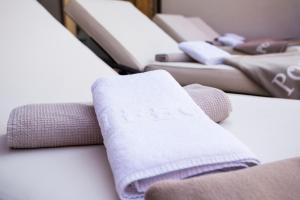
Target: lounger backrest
point(122, 30)
point(203, 26)
point(185, 28)
point(41, 61)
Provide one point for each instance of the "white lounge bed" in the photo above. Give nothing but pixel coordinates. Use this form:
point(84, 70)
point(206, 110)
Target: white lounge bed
point(133, 40)
point(41, 62)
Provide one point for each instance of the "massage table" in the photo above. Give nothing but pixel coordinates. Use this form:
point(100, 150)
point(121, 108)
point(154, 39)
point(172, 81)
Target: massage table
point(42, 62)
point(133, 40)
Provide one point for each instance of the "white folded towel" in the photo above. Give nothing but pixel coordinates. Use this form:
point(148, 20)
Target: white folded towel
point(153, 131)
point(204, 53)
point(231, 39)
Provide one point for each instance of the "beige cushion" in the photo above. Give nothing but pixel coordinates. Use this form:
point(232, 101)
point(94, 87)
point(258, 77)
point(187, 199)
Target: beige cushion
point(223, 77)
point(123, 31)
point(185, 29)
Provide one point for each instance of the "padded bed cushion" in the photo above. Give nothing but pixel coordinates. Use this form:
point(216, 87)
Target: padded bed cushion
point(124, 32)
point(133, 40)
point(220, 76)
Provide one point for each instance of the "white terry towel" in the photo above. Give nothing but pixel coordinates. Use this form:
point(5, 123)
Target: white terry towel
point(231, 39)
point(154, 131)
point(204, 53)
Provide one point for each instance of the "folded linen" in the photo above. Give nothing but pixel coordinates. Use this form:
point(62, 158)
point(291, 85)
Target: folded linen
point(204, 53)
point(275, 181)
point(72, 124)
point(152, 135)
point(173, 57)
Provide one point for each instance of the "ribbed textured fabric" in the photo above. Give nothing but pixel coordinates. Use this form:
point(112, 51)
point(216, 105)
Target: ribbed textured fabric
point(214, 102)
point(173, 57)
point(274, 181)
point(69, 124)
point(53, 125)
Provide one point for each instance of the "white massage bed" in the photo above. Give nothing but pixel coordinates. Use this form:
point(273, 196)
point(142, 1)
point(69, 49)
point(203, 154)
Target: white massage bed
point(41, 62)
point(133, 40)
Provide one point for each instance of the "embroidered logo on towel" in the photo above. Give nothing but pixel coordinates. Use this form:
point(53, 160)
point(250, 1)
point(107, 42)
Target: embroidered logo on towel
point(111, 116)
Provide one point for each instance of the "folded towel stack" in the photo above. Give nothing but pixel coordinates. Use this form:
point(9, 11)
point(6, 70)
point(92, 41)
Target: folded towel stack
point(152, 135)
point(275, 181)
point(204, 52)
point(69, 124)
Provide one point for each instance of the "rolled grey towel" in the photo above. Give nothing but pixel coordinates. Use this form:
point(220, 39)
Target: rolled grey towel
point(173, 57)
point(71, 124)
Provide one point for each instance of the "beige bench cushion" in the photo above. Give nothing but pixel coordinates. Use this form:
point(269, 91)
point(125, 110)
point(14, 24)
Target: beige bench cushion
point(123, 31)
point(184, 28)
point(223, 77)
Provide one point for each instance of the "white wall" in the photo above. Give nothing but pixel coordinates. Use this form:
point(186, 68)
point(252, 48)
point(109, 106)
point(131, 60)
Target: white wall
point(251, 18)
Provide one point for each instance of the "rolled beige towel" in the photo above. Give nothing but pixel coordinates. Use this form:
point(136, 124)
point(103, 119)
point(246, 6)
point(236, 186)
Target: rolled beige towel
point(70, 124)
point(214, 102)
point(53, 125)
point(275, 181)
point(173, 57)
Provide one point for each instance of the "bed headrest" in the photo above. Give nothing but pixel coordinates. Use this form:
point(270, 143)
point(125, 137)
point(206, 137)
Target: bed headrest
point(185, 28)
point(203, 26)
point(122, 30)
point(41, 61)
